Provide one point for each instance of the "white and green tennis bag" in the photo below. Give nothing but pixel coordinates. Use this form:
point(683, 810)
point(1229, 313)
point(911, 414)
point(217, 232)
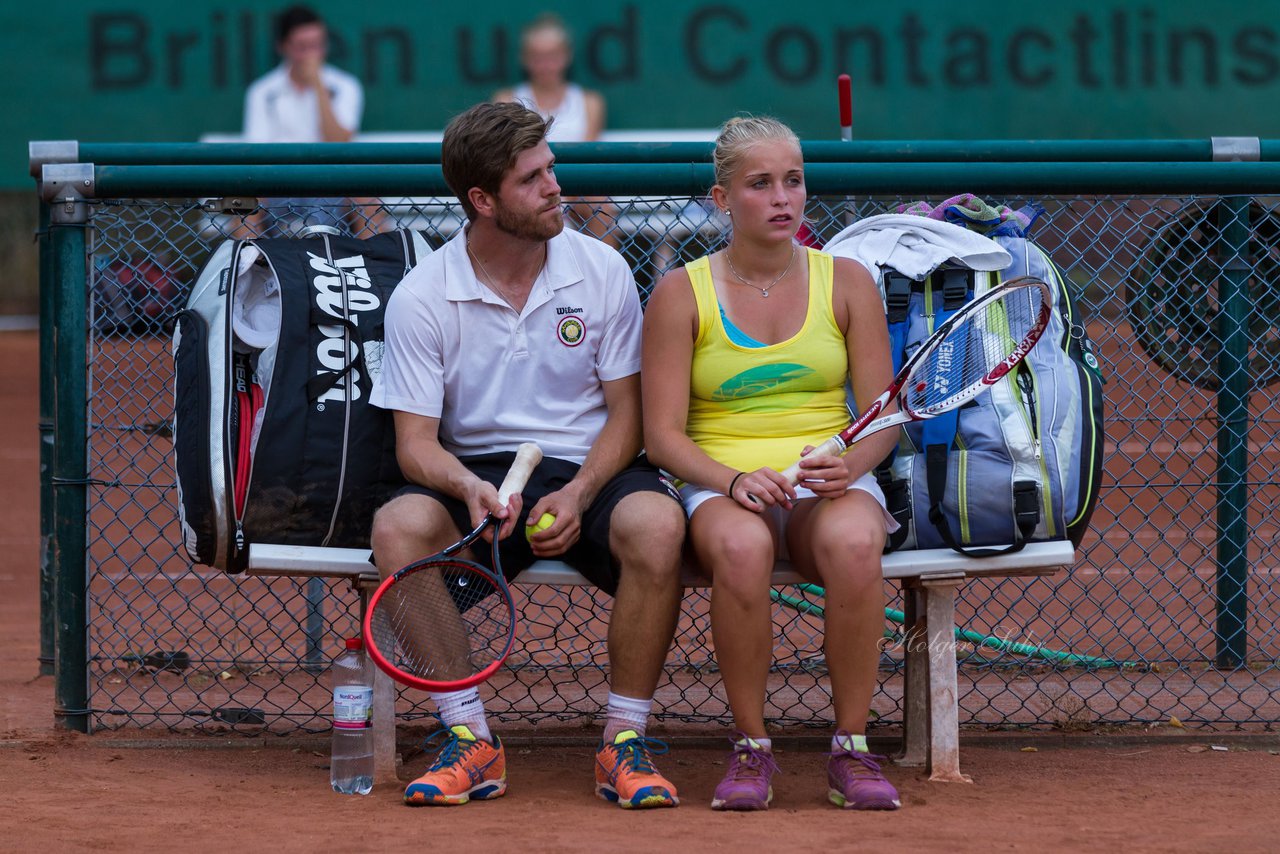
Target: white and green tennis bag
point(274, 359)
point(1020, 463)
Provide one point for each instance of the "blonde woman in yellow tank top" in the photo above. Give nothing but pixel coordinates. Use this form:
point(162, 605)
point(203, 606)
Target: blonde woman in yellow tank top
point(747, 353)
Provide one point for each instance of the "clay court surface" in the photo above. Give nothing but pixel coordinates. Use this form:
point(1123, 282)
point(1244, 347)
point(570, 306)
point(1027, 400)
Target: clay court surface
point(147, 790)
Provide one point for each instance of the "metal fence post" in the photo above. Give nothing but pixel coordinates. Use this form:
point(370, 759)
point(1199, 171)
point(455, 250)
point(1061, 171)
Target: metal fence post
point(39, 153)
point(1233, 434)
point(65, 187)
point(45, 427)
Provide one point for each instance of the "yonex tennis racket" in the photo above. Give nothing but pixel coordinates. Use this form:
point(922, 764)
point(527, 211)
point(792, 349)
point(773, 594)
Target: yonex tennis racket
point(965, 356)
point(444, 623)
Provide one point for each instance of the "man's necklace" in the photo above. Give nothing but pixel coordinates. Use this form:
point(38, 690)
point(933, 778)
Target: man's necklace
point(764, 292)
point(490, 281)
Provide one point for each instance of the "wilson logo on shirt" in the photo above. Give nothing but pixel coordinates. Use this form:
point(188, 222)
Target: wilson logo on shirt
point(571, 331)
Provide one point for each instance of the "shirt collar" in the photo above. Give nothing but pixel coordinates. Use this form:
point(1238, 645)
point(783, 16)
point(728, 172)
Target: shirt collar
point(462, 285)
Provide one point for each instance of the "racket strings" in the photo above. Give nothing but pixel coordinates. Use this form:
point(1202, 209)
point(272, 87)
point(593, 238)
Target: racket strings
point(445, 622)
point(978, 341)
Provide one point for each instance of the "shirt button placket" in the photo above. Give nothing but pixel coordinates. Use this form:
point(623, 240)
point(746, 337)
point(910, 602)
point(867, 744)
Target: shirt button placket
point(519, 342)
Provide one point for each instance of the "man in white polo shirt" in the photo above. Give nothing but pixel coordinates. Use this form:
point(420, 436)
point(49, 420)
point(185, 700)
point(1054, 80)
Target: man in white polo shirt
point(520, 330)
point(303, 99)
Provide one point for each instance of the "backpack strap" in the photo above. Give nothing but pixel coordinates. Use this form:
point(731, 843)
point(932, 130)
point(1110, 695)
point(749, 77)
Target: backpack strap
point(897, 296)
point(1026, 511)
point(414, 247)
point(897, 299)
point(322, 382)
point(939, 433)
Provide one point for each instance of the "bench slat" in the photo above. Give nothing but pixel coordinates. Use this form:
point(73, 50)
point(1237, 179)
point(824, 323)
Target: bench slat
point(353, 564)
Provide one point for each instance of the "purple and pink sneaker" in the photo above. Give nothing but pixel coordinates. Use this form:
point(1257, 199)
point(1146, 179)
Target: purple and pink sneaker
point(747, 785)
point(855, 781)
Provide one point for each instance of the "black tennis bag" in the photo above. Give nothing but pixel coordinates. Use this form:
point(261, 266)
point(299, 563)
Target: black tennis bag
point(274, 359)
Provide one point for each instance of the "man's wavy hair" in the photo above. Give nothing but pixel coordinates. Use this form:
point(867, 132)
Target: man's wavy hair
point(482, 144)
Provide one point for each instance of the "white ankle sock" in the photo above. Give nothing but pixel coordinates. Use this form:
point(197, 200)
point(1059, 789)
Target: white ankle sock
point(849, 741)
point(626, 713)
point(765, 744)
point(463, 708)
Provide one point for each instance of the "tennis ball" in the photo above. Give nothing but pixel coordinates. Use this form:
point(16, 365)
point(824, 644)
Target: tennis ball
point(546, 521)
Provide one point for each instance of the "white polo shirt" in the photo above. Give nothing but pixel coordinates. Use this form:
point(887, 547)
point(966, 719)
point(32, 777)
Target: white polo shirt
point(494, 377)
point(275, 110)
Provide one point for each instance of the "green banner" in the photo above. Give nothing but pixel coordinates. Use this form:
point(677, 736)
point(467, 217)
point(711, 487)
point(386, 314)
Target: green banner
point(138, 71)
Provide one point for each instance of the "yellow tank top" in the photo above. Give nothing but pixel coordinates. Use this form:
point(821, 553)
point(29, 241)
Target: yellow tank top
point(759, 406)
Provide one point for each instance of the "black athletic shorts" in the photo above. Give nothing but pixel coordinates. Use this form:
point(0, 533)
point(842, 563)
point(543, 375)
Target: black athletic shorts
point(590, 554)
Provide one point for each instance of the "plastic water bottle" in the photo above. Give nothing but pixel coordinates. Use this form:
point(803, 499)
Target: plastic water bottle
point(351, 765)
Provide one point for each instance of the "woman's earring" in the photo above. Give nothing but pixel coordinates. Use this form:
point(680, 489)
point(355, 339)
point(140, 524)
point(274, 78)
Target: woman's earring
point(728, 212)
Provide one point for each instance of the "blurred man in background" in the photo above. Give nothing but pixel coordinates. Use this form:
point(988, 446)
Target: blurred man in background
point(305, 100)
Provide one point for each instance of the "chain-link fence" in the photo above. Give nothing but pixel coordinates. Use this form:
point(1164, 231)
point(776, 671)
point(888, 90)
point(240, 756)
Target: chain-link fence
point(1147, 610)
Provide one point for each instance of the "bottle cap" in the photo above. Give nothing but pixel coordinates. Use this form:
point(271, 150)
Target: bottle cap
point(355, 643)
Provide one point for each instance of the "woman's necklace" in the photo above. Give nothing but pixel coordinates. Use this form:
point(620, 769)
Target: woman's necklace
point(764, 292)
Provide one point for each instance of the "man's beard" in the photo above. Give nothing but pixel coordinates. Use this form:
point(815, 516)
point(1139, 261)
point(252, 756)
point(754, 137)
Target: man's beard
point(529, 226)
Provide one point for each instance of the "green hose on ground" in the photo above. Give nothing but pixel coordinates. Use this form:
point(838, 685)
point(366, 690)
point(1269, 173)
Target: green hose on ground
point(988, 641)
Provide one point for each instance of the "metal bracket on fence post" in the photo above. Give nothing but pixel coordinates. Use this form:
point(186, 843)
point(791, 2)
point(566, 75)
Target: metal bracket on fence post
point(1228, 149)
point(65, 188)
point(43, 152)
point(230, 205)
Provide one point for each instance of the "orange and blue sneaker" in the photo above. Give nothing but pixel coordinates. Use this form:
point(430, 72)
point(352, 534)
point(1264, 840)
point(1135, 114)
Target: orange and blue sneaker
point(626, 776)
point(465, 768)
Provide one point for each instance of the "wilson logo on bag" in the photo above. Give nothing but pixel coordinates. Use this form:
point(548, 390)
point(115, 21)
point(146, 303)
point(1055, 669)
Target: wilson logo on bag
point(275, 356)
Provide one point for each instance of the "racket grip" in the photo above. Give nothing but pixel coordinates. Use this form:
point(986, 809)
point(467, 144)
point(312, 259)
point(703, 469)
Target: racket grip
point(832, 446)
point(527, 458)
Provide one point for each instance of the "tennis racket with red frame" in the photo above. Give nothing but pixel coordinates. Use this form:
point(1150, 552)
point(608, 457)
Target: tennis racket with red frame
point(973, 350)
point(444, 623)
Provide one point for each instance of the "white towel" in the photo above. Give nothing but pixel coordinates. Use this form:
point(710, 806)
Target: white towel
point(915, 246)
point(255, 307)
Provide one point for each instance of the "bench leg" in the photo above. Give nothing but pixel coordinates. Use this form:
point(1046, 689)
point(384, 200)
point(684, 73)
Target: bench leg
point(915, 695)
point(386, 759)
point(944, 708)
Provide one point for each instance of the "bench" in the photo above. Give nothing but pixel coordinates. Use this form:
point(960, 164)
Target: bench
point(929, 579)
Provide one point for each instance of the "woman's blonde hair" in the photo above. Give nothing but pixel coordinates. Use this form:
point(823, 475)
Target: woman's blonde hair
point(738, 135)
point(546, 22)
